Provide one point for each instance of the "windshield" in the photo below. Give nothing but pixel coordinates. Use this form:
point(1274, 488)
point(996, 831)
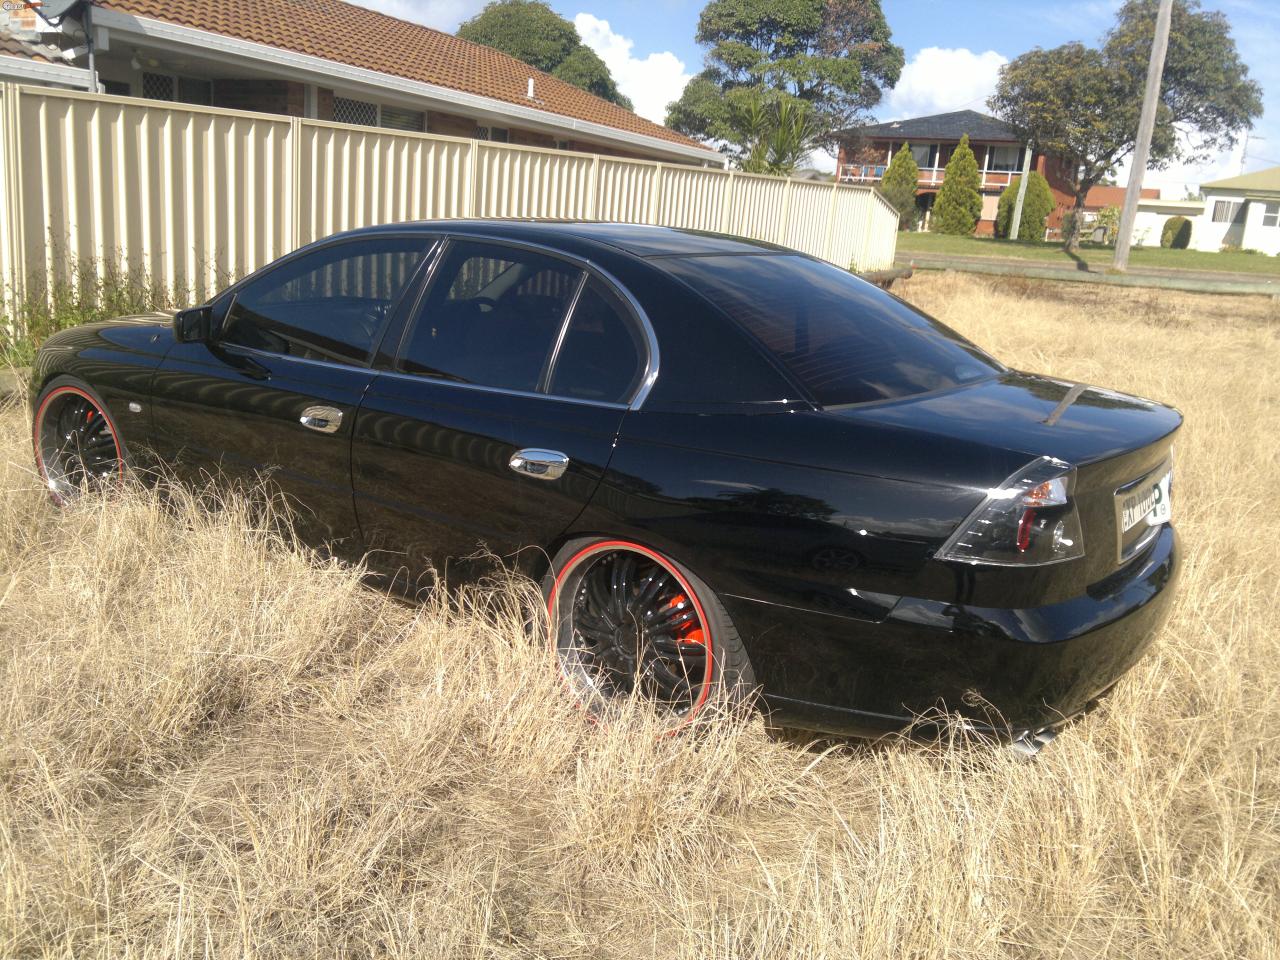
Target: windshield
point(843, 339)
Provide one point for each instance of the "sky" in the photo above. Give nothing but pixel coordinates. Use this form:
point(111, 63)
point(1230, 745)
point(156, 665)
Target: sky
point(953, 48)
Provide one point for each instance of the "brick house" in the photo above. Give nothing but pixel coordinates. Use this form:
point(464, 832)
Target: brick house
point(327, 60)
point(1000, 153)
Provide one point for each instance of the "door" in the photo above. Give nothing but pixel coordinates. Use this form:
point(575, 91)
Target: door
point(460, 451)
point(274, 392)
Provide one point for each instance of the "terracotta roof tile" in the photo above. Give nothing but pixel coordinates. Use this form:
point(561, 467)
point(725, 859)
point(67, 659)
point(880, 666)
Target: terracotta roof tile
point(14, 47)
point(345, 33)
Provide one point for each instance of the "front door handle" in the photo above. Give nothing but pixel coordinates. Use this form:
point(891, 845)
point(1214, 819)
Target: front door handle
point(539, 464)
point(321, 419)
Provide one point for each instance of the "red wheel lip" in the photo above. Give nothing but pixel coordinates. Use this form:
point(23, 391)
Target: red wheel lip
point(38, 419)
point(670, 567)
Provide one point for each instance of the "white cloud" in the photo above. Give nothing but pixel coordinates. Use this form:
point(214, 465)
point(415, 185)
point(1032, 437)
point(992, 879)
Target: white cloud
point(651, 83)
point(441, 14)
point(938, 80)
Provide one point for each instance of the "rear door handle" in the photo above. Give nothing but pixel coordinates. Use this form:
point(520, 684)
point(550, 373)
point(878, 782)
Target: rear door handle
point(321, 419)
point(539, 464)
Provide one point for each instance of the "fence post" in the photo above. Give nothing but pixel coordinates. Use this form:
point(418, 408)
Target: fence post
point(473, 178)
point(655, 195)
point(295, 186)
point(831, 221)
point(785, 220)
point(13, 282)
point(594, 209)
point(726, 211)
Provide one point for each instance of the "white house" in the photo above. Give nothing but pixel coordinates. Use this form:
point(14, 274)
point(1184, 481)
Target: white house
point(1240, 213)
point(1154, 213)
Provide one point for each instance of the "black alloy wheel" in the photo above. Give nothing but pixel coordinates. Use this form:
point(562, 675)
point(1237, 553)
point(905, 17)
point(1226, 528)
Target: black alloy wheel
point(627, 621)
point(77, 446)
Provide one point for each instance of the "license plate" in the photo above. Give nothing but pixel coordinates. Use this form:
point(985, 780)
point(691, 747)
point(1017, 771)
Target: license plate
point(1149, 502)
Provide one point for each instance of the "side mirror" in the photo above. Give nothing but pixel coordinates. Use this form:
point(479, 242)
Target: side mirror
point(194, 325)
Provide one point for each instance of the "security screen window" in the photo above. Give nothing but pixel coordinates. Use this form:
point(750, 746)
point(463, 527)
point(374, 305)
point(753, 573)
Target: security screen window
point(840, 337)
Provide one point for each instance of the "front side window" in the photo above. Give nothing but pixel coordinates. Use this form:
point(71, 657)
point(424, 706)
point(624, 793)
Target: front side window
point(491, 317)
point(1224, 211)
point(603, 355)
point(328, 304)
point(1271, 215)
point(843, 339)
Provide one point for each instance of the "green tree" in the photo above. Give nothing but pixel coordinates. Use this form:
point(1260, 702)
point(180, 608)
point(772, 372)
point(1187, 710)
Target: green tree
point(959, 203)
point(531, 31)
point(900, 183)
point(1036, 207)
point(776, 133)
point(1081, 104)
point(834, 55)
point(584, 68)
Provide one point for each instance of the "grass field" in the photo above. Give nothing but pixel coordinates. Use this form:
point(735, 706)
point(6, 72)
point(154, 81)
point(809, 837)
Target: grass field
point(212, 744)
point(1097, 256)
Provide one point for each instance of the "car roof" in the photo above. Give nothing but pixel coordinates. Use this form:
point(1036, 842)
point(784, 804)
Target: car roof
point(637, 239)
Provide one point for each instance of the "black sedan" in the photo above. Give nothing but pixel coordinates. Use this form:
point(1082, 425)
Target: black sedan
point(734, 467)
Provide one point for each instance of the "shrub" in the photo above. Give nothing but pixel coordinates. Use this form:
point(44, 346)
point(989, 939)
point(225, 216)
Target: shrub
point(899, 185)
point(1176, 233)
point(959, 203)
point(1036, 207)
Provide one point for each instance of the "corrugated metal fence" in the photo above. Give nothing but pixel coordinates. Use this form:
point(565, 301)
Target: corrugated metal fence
point(192, 195)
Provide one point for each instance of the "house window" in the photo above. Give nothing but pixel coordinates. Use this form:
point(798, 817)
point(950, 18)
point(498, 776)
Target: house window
point(393, 118)
point(117, 88)
point(195, 91)
point(1003, 159)
point(496, 134)
point(158, 86)
point(1271, 215)
point(359, 112)
point(1224, 211)
point(563, 145)
point(923, 154)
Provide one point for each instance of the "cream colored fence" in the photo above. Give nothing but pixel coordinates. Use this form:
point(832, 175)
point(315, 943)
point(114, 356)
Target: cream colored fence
point(192, 195)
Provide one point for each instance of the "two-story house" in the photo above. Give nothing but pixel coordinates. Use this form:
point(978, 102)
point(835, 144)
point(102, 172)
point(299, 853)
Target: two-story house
point(1000, 153)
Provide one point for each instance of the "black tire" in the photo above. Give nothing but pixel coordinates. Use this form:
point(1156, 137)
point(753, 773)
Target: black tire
point(604, 658)
point(77, 445)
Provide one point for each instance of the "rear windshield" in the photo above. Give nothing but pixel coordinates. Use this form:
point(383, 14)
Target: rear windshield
point(844, 339)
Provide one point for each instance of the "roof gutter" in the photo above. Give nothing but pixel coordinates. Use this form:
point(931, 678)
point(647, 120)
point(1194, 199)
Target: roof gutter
point(327, 71)
point(24, 70)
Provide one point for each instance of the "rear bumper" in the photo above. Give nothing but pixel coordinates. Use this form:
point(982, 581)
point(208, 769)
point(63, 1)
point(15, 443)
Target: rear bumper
point(1007, 670)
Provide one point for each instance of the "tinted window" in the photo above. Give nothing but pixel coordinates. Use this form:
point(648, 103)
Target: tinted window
point(603, 354)
point(326, 305)
point(845, 340)
point(491, 316)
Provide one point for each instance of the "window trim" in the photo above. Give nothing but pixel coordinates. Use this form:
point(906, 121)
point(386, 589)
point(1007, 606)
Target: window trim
point(588, 268)
point(222, 304)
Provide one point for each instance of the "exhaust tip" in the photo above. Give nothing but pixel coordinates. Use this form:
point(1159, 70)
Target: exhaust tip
point(1029, 744)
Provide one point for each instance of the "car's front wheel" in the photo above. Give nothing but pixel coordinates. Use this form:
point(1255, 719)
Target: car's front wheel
point(626, 621)
point(77, 445)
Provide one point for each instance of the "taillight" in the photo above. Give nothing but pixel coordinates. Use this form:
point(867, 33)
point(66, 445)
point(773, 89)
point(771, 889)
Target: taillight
point(1028, 520)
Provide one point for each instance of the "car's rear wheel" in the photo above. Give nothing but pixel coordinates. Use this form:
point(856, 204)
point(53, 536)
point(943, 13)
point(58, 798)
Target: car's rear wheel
point(77, 445)
point(627, 621)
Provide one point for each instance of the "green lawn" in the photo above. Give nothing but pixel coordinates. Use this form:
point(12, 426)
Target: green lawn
point(1092, 253)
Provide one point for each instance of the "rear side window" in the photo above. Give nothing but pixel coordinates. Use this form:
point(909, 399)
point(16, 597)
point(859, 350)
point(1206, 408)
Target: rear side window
point(603, 355)
point(491, 316)
point(328, 304)
point(845, 340)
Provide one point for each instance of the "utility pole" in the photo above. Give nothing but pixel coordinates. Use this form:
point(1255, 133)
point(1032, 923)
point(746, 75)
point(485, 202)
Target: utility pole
point(1022, 194)
point(1147, 123)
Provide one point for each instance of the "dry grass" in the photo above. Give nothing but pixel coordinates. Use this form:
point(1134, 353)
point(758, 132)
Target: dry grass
point(211, 744)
